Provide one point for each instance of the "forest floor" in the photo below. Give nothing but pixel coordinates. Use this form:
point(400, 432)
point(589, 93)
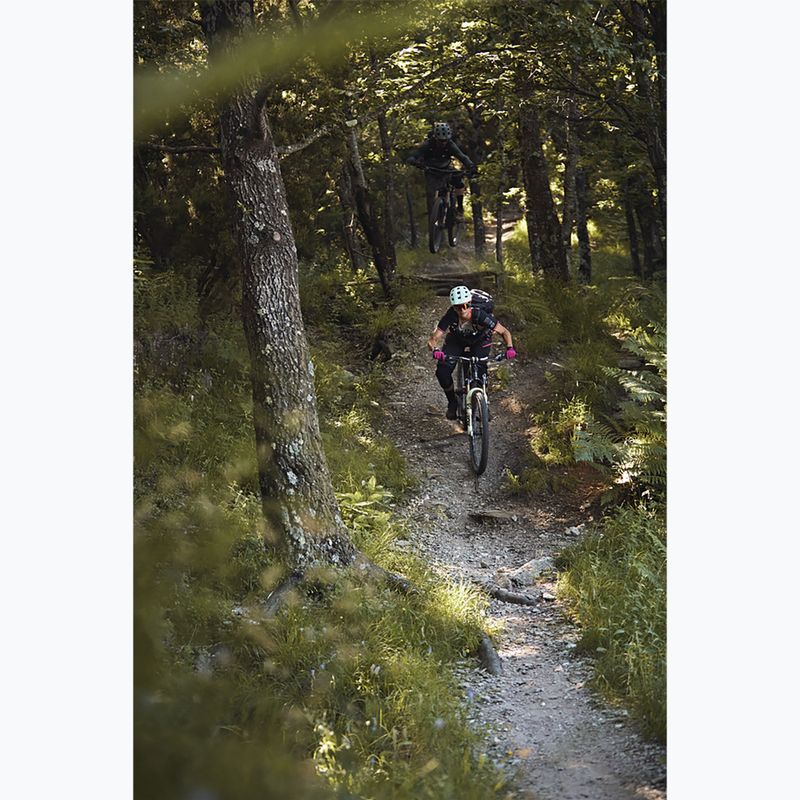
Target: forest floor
point(554, 736)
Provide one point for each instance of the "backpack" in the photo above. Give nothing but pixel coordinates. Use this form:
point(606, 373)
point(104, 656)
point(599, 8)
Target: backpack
point(482, 300)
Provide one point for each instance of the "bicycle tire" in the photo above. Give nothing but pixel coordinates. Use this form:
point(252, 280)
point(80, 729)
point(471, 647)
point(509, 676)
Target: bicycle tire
point(453, 227)
point(434, 230)
point(479, 441)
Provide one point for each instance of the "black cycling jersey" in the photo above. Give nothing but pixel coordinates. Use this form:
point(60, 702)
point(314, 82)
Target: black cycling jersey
point(434, 153)
point(479, 326)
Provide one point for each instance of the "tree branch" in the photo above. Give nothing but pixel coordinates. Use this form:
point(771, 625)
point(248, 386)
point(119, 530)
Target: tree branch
point(183, 148)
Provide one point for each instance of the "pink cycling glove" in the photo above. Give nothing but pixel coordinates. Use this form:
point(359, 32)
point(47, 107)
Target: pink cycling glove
point(511, 352)
point(438, 355)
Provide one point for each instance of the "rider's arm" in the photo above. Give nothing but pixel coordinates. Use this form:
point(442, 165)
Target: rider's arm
point(462, 157)
point(418, 155)
point(505, 333)
point(435, 338)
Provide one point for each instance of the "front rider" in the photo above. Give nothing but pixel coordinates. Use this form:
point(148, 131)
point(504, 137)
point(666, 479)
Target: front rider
point(437, 152)
point(464, 327)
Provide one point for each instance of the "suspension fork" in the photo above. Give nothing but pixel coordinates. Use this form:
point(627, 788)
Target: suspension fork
point(468, 405)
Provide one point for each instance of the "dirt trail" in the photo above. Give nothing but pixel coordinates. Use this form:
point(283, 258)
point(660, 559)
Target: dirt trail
point(548, 728)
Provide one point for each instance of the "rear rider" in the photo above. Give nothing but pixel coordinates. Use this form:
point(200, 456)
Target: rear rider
point(438, 152)
point(464, 328)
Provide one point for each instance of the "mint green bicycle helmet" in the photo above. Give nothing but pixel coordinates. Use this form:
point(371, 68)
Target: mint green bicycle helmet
point(460, 295)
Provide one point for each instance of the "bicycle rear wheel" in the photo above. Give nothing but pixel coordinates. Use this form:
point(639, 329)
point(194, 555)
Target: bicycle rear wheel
point(434, 228)
point(479, 441)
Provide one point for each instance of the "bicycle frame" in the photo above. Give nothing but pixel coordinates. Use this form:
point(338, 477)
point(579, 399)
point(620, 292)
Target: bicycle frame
point(469, 377)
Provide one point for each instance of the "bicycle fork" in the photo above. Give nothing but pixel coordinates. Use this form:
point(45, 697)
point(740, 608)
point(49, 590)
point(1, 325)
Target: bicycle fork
point(468, 405)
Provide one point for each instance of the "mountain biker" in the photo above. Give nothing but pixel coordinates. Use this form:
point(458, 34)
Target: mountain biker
point(437, 152)
point(462, 327)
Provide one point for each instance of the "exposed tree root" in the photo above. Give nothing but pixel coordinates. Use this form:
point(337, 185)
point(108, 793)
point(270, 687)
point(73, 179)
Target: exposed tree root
point(498, 593)
point(488, 657)
point(277, 597)
point(396, 581)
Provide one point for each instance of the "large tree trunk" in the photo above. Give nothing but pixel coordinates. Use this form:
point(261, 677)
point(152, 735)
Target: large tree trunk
point(582, 206)
point(297, 495)
point(544, 231)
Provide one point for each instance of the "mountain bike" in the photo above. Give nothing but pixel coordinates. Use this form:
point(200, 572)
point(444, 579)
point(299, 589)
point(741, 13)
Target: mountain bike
point(443, 211)
point(473, 405)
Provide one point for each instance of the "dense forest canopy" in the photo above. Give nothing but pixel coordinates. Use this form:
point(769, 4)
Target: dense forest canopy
point(584, 81)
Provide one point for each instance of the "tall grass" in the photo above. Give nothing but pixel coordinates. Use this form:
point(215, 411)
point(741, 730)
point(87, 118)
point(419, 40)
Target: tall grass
point(615, 584)
point(596, 412)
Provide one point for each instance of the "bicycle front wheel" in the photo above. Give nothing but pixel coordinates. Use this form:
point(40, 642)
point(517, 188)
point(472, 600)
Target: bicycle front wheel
point(434, 228)
point(479, 441)
point(453, 227)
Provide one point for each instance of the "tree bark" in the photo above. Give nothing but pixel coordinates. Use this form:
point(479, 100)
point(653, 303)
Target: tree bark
point(299, 504)
point(544, 231)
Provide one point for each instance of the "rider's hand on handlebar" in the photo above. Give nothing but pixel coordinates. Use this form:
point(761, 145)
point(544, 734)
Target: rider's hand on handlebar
point(438, 355)
point(511, 353)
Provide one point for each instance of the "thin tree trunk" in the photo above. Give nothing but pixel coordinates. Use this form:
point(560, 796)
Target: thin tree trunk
point(364, 209)
point(544, 231)
point(582, 206)
point(477, 152)
point(478, 225)
point(297, 495)
point(349, 232)
point(501, 188)
point(412, 224)
point(633, 238)
point(644, 215)
point(389, 226)
point(651, 94)
point(572, 155)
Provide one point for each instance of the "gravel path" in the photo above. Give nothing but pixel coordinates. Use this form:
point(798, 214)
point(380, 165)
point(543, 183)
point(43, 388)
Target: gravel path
point(548, 729)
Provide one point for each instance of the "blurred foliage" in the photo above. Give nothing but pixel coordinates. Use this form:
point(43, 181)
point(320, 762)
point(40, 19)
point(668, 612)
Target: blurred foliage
point(347, 692)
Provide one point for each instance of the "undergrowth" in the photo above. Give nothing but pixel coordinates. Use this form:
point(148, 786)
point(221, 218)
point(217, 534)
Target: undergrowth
point(605, 345)
point(614, 581)
point(347, 693)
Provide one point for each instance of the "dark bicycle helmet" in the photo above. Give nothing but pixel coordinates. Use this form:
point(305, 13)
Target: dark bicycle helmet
point(441, 131)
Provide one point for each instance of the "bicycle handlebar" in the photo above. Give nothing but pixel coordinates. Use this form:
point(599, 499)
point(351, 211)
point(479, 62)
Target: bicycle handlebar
point(456, 359)
point(444, 170)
